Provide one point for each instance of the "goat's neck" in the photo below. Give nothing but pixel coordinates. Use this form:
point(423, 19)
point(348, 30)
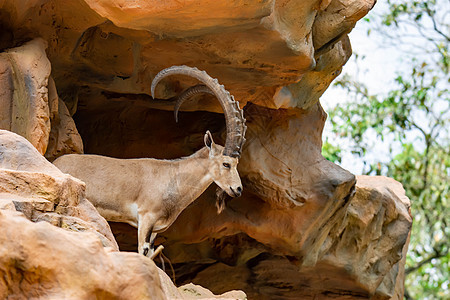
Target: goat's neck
point(193, 176)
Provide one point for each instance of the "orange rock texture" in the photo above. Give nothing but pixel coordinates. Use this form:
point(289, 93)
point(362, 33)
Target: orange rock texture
point(33, 186)
point(75, 77)
point(272, 53)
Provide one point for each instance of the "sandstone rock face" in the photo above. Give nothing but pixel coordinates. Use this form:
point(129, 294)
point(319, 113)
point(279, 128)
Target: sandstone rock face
point(381, 207)
point(64, 137)
point(351, 261)
point(254, 47)
point(30, 103)
point(193, 291)
point(359, 257)
point(296, 221)
point(304, 227)
point(43, 261)
point(24, 75)
point(43, 193)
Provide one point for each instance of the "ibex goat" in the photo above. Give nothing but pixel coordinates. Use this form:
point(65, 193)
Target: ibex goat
point(149, 193)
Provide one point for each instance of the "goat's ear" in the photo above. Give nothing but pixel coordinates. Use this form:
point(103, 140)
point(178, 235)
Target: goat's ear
point(208, 139)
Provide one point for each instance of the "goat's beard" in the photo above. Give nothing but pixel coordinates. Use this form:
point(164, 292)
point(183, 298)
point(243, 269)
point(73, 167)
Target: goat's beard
point(221, 199)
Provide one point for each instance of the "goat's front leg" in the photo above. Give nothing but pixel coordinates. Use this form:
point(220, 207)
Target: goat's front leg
point(146, 237)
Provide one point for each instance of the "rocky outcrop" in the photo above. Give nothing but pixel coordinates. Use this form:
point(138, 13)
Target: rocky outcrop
point(350, 261)
point(64, 137)
point(120, 46)
point(358, 257)
point(24, 74)
point(304, 227)
point(38, 260)
point(192, 291)
point(30, 102)
point(380, 218)
point(297, 213)
point(33, 186)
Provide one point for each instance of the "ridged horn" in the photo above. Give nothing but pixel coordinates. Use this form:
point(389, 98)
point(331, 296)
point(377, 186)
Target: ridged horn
point(234, 116)
point(188, 93)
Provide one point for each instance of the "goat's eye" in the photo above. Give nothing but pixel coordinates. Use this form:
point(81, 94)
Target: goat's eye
point(226, 165)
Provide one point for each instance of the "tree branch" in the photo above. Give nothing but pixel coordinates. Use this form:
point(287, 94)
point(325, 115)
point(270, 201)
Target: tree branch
point(406, 294)
point(431, 15)
point(437, 254)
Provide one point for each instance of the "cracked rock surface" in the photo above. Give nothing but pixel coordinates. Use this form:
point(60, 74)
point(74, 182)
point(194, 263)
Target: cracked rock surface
point(75, 77)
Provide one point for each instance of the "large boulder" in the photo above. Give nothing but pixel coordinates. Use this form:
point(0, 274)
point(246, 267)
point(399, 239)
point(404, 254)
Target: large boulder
point(30, 103)
point(38, 260)
point(24, 73)
point(32, 185)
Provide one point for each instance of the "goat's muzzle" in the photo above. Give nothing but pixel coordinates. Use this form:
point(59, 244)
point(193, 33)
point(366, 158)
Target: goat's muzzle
point(236, 192)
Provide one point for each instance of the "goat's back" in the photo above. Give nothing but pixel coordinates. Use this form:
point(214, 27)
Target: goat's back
point(111, 183)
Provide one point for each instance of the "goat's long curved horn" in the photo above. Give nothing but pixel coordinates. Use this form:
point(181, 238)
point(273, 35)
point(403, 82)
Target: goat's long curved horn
point(188, 93)
point(234, 116)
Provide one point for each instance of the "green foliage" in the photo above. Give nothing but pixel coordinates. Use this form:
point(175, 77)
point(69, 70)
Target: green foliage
point(331, 152)
point(425, 177)
point(412, 121)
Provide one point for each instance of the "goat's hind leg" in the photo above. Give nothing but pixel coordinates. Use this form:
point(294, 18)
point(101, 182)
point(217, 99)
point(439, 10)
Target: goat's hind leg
point(149, 244)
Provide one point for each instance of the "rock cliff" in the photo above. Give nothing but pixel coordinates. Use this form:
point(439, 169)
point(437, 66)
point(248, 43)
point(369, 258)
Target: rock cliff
point(75, 77)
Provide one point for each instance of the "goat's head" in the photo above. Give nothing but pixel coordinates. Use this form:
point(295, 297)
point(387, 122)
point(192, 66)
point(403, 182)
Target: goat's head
point(224, 160)
point(223, 168)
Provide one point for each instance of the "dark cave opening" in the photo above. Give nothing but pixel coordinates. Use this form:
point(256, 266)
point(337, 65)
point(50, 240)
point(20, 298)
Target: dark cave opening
point(130, 129)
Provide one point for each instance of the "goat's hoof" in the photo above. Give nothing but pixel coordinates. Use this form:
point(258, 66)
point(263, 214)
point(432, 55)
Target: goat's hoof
point(145, 249)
